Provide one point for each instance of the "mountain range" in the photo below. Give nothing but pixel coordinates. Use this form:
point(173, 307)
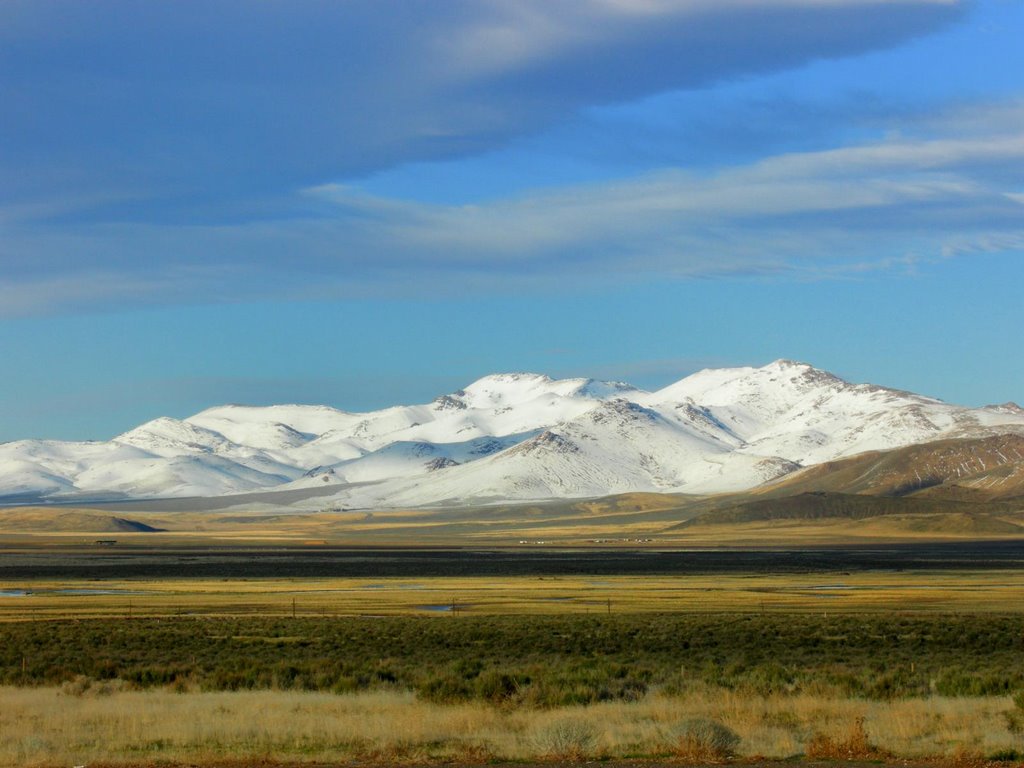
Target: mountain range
point(524, 436)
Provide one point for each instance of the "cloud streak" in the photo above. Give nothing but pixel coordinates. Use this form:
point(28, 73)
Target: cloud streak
point(177, 105)
point(212, 152)
point(941, 192)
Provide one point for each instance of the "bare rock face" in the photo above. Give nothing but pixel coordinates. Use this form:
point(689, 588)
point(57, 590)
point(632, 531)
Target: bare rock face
point(442, 462)
point(545, 443)
point(449, 403)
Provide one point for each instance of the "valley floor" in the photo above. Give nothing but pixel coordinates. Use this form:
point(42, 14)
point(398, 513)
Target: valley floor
point(145, 656)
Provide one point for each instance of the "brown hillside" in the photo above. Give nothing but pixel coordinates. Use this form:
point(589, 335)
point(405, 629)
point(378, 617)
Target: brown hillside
point(40, 519)
point(821, 505)
point(984, 469)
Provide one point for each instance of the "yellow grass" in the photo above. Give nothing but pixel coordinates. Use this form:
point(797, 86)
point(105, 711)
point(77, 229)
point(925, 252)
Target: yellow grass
point(950, 592)
point(631, 519)
point(48, 727)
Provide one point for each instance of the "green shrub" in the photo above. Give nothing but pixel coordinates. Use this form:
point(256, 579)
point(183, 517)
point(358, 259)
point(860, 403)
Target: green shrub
point(445, 688)
point(538, 661)
point(963, 683)
point(499, 687)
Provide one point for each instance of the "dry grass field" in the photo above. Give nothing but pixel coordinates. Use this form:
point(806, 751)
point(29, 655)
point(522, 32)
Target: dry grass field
point(195, 667)
point(815, 593)
point(64, 727)
point(778, 681)
point(634, 519)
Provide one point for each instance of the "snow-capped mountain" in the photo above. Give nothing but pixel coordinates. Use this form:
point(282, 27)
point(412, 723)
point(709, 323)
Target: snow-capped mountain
point(507, 436)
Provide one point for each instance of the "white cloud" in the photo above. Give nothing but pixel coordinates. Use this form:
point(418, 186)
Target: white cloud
point(892, 204)
point(91, 291)
point(690, 223)
point(251, 99)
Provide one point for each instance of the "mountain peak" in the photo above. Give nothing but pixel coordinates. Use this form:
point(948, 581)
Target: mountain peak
point(510, 377)
point(779, 378)
point(507, 389)
point(802, 371)
point(167, 427)
point(166, 436)
point(603, 389)
point(1009, 407)
point(504, 389)
point(511, 436)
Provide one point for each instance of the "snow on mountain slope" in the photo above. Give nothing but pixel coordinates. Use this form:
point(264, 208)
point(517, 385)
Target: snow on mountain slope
point(505, 390)
point(170, 438)
point(498, 405)
point(47, 467)
point(714, 431)
point(411, 458)
point(810, 416)
point(614, 447)
point(298, 435)
point(263, 435)
point(241, 423)
point(247, 447)
point(509, 436)
point(22, 477)
point(494, 406)
point(753, 402)
point(174, 476)
point(405, 459)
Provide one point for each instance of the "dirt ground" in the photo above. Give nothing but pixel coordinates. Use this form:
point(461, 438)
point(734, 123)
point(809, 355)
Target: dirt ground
point(965, 762)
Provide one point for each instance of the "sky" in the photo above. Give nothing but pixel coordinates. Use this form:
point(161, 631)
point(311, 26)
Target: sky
point(375, 202)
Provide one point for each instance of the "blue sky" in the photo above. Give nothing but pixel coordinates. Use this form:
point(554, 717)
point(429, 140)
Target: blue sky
point(367, 203)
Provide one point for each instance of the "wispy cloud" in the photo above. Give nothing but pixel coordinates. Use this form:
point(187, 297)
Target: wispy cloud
point(157, 157)
point(932, 192)
point(226, 100)
point(86, 291)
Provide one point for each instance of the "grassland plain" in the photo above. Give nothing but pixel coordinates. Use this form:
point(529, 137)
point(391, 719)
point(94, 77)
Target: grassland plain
point(531, 660)
point(709, 659)
point(813, 513)
point(476, 688)
point(944, 591)
point(512, 687)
